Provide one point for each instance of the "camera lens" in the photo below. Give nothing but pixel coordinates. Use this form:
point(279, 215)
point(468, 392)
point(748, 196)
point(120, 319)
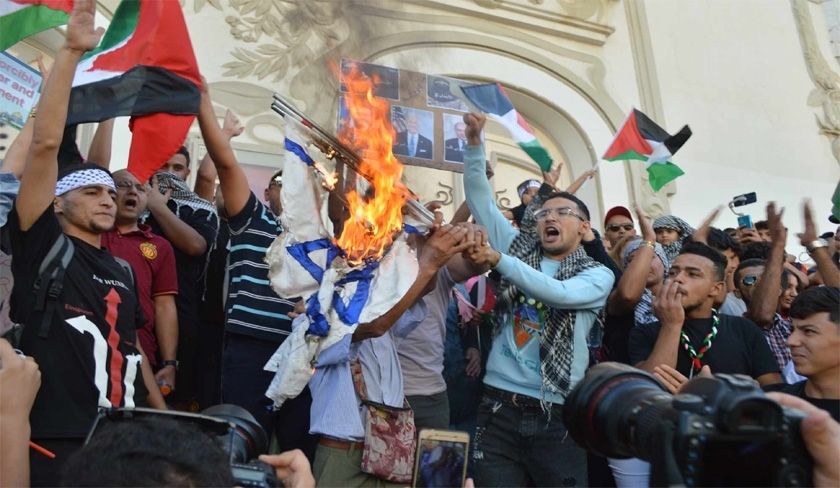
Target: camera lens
point(249, 439)
point(613, 410)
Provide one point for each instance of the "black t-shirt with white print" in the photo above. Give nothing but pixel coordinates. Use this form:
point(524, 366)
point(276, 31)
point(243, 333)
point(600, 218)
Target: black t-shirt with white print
point(89, 358)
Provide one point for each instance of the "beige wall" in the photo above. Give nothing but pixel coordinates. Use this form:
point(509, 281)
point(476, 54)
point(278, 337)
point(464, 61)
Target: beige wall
point(735, 72)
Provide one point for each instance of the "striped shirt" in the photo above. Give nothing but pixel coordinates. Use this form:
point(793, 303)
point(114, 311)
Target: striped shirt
point(253, 309)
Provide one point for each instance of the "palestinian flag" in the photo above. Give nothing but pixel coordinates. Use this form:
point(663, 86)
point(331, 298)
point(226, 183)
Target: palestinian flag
point(145, 68)
point(640, 138)
point(20, 19)
point(492, 99)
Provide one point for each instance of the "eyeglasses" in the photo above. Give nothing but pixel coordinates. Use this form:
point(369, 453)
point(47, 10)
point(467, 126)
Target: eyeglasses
point(616, 227)
point(126, 185)
point(749, 280)
point(277, 180)
point(558, 212)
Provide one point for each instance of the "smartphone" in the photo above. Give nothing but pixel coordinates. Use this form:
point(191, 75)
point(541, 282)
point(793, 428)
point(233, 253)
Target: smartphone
point(745, 199)
point(441, 459)
point(745, 221)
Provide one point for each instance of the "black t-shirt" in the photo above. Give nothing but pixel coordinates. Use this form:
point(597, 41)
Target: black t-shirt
point(189, 267)
point(739, 348)
point(89, 358)
point(617, 330)
point(798, 389)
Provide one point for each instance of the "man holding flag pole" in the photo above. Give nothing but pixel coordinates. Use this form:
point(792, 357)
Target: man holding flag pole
point(550, 301)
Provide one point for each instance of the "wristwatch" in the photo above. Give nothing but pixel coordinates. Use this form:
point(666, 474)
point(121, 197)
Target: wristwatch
point(172, 362)
point(813, 246)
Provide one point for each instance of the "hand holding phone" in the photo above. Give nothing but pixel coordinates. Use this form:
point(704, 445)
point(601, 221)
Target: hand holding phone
point(441, 459)
point(745, 221)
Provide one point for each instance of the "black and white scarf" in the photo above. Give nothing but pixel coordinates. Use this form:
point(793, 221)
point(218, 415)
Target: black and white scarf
point(557, 339)
point(677, 224)
point(183, 197)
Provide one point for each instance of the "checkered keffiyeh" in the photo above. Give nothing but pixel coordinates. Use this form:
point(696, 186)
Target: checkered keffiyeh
point(674, 223)
point(644, 309)
point(84, 177)
point(557, 342)
point(777, 338)
point(182, 196)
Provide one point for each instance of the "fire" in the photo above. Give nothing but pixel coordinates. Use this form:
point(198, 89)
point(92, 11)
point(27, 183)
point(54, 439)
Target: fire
point(375, 217)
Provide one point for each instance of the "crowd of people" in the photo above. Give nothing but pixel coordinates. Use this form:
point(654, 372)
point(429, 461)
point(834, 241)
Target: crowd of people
point(156, 294)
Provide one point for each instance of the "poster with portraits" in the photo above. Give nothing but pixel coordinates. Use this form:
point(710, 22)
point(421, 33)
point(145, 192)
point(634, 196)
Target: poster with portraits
point(426, 112)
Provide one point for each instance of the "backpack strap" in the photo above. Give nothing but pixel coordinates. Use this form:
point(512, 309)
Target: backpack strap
point(128, 269)
point(50, 280)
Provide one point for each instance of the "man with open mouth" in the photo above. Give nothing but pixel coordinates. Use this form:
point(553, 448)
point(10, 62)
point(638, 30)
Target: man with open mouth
point(548, 312)
point(153, 260)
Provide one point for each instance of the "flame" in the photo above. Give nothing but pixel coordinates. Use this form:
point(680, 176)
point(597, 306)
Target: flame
point(375, 217)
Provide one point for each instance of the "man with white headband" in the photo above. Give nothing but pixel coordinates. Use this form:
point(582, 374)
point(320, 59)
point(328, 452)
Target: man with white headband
point(83, 335)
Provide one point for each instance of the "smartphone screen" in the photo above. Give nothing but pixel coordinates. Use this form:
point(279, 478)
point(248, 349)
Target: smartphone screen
point(440, 463)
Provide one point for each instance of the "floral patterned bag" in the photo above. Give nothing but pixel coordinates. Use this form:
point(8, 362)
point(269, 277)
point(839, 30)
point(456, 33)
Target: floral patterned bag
point(390, 435)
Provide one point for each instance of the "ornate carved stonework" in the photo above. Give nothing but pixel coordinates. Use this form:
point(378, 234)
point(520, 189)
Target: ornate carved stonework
point(294, 30)
point(502, 201)
point(827, 81)
point(444, 197)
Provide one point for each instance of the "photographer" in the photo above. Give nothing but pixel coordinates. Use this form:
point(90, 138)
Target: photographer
point(162, 451)
point(822, 438)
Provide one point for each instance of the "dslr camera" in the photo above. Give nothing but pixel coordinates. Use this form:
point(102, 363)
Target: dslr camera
point(719, 431)
point(234, 428)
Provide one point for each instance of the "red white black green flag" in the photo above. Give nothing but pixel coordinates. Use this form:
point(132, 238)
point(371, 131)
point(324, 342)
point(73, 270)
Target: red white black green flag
point(145, 68)
point(20, 19)
point(640, 138)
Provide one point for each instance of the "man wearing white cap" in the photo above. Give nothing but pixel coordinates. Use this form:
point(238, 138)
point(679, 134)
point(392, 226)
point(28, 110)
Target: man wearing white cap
point(83, 334)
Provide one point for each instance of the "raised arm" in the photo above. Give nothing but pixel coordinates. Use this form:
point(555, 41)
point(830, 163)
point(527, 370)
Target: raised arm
point(231, 176)
point(37, 186)
point(100, 147)
point(581, 180)
point(552, 176)
point(828, 271)
point(631, 286)
point(765, 298)
point(477, 188)
point(205, 182)
point(179, 233)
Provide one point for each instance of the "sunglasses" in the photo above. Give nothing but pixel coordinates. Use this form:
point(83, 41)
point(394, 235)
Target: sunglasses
point(616, 227)
point(558, 212)
point(749, 280)
point(277, 180)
